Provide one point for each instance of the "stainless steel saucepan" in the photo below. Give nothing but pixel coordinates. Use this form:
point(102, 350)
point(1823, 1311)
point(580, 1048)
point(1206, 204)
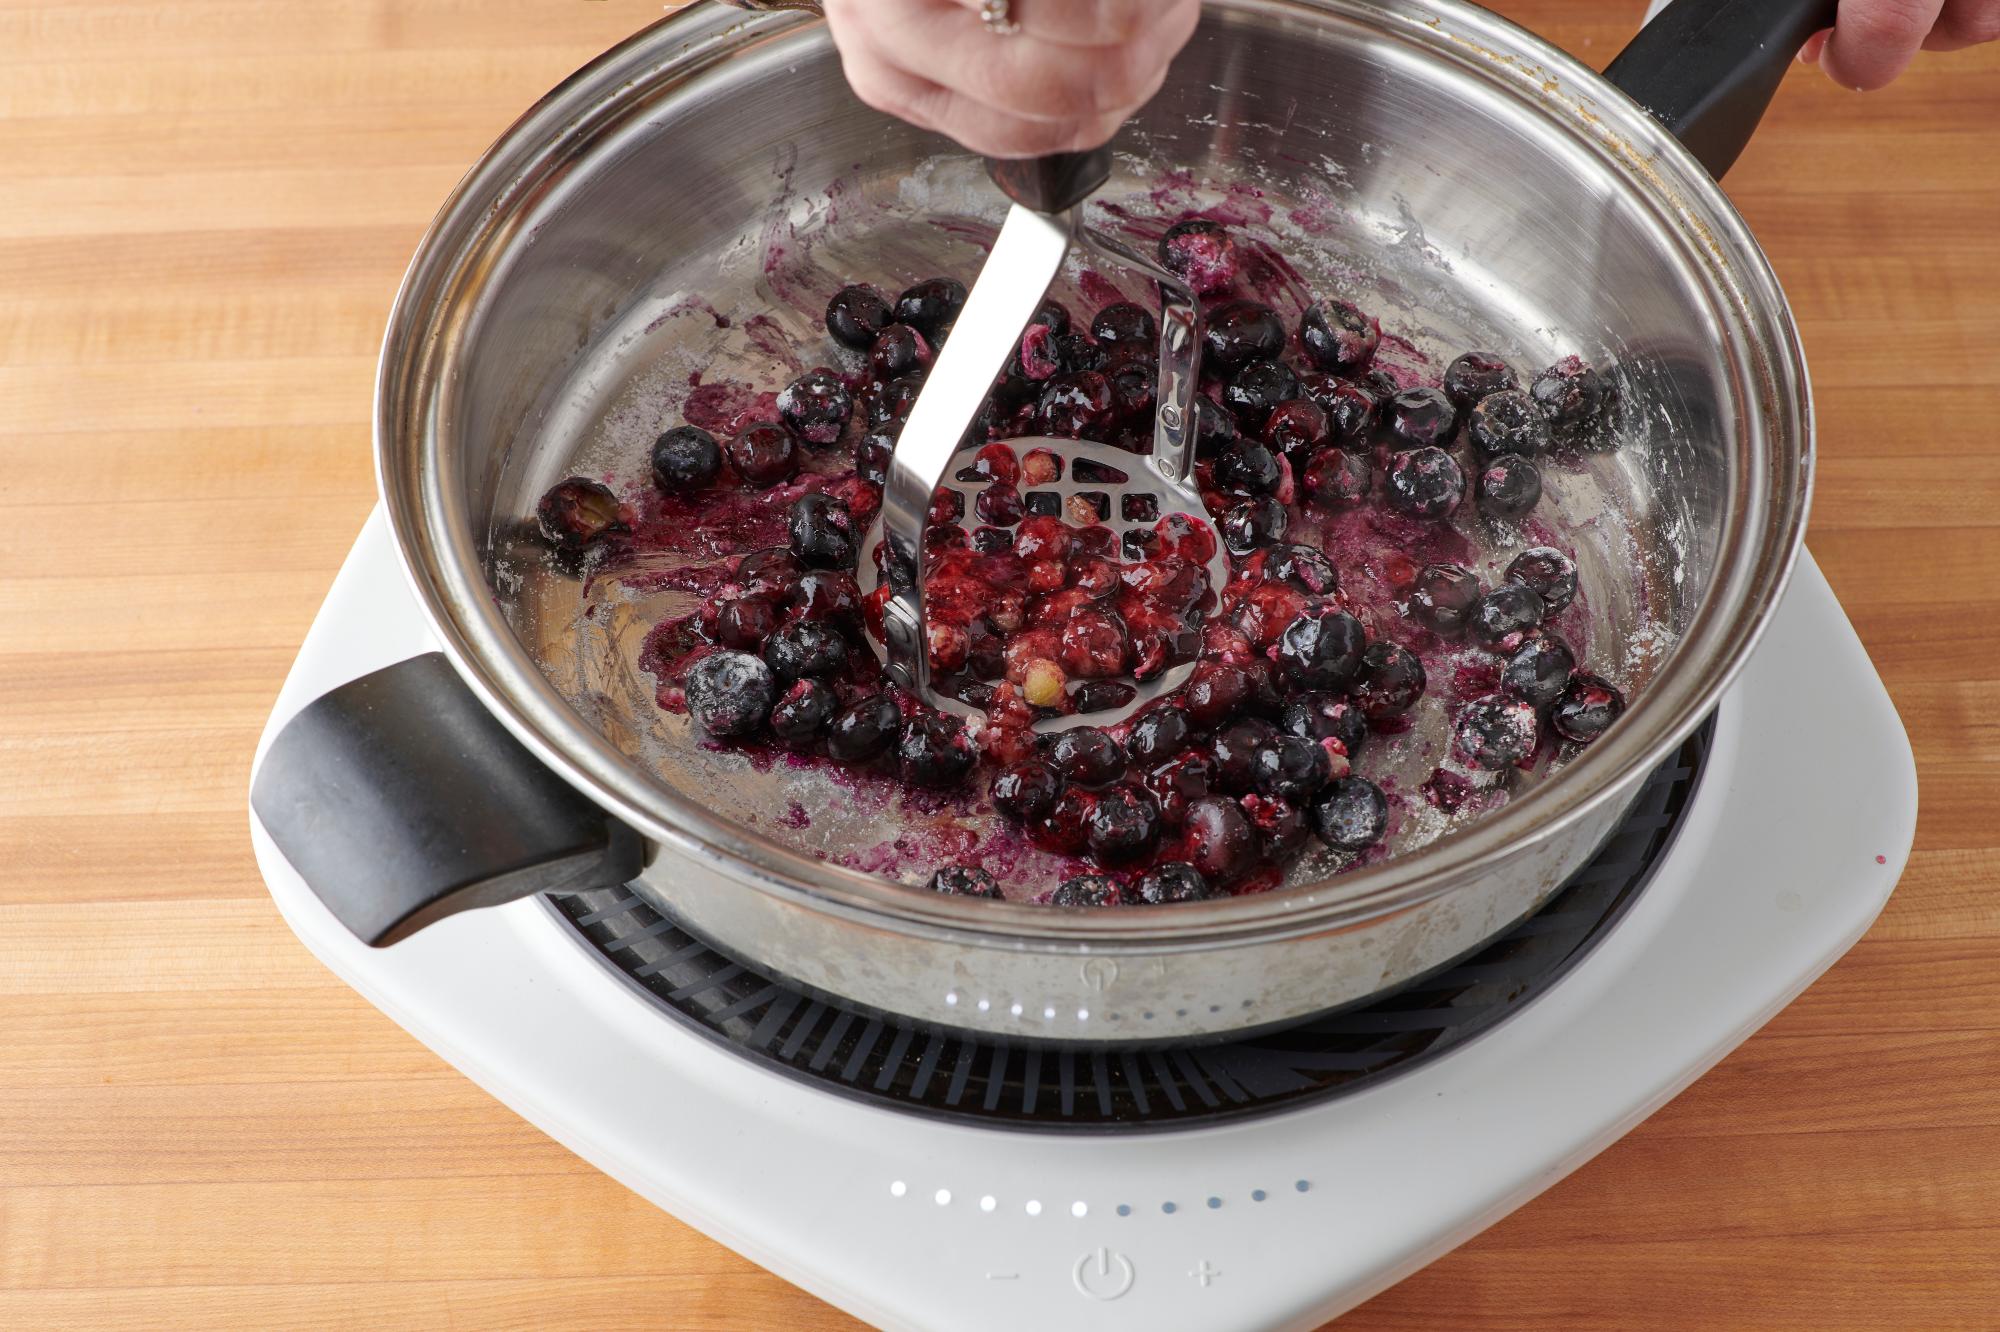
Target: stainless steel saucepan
point(683, 207)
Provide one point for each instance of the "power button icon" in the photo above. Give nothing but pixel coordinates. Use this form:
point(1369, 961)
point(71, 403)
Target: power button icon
point(1102, 1274)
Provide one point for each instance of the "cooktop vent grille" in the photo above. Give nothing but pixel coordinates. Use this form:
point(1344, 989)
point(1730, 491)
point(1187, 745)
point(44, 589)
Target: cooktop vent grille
point(998, 1083)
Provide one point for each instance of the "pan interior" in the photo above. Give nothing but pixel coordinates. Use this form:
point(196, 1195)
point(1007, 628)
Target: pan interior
point(689, 245)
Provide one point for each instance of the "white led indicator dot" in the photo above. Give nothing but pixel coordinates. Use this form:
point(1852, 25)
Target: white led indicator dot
point(1083, 1015)
point(1049, 1013)
point(943, 1197)
point(1034, 1207)
point(987, 1204)
point(985, 1004)
point(898, 1189)
point(1079, 1209)
point(951, 997)
point(1015, 1009)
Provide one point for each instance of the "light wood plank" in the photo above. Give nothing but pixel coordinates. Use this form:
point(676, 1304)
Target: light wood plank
point(205, 207)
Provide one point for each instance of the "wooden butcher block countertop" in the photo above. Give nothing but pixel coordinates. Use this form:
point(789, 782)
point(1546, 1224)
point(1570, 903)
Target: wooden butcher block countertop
point(204, 210)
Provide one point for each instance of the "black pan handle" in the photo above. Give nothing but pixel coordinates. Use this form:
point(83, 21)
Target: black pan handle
point(1707, 69)
point(1055, 183)
point(400, 799)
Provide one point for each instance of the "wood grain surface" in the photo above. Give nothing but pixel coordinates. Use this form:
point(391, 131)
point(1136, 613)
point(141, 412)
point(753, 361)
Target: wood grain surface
point(204, 210)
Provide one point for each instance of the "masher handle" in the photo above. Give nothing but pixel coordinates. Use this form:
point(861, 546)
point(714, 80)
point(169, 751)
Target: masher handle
point(1055, 183)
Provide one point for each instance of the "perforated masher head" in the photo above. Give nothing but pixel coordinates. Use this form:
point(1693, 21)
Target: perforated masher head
point(1126, 492)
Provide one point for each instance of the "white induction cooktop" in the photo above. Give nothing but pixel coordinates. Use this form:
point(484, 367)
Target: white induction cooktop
point(1794, 840)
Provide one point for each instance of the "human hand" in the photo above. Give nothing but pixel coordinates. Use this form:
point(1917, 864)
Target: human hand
point(1070, 76)
point(1872, 41)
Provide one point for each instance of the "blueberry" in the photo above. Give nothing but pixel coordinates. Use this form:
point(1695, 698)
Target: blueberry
point(1280, 827)
point(1290, 767)
point(1424, 483)
point(1587, 708)
point(1216, 691)
point(806, 649)
point(965, 881)
point(1418, 418)
point(1240, 332)
point(931, 306)
point(1322, 715)
point(816, 406)
point(1088, 756)
point(1304, 568)
point(802, 713)
point(1172, 881)
point(1572, 396)
point(1078, 406)
point(1200, 253)
point(1502, 617)
point(1052, 315)
point(1508, 422)
point(1337, 336)
point(1179, 782)
point(1125, 322)
point(864, 730)
point(1134, 380)
point(1389, 683)
point(1236, 747)
point(1256, 390)
point(1443, 597)
point(1475, 375)
point(1254, 523)
point(730, 693)
point(1322, 649)
point(1000, 506)
point(764, 454)
point(575, 512)
point(1066, 827)
point(822, 531)
point(855, 315)
point(1157, 735)
point(773, 572)
point(1247, 467)
point(1214, 429)
point(1510, 487)
point(1350, 409)
point(1550, 572)
point(1075, 353)
point(1352, 814)
point(828, 596)
point(934, 751)
point(1085, 890)
point(1297, 428)
point(1380, 383)
point(1338, 478)
point(1221, 845)
point(686, 459)
point(899, 350)
point(1025, 791)
point(1496, 732)
point(871, 457)
point(1539, 671)
point(889, 400)
point(744, 622)
point(1124, 825)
